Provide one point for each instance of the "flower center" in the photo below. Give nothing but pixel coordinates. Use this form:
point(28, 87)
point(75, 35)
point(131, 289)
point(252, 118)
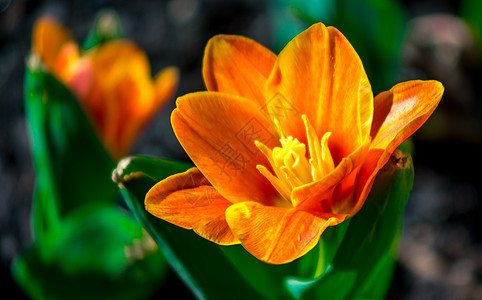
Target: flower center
point(291, 165)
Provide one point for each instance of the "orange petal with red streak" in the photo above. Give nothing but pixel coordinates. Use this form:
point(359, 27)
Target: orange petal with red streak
point(402, 110)
point(188, 201)
point(237, 65)
point(398, 113)
point(277, 235)
point(319, 74)
point(218, 132)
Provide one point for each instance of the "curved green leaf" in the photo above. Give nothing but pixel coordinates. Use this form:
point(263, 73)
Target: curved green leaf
point(71, 165)
point(209, 270)
point(82, 238)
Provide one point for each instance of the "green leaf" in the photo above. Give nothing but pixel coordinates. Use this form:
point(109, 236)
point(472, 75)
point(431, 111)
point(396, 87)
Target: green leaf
point(315, 262)
point(106, 28)
point(87, 245)
point(265, 278)
point(210, 271)
point(71, 165)
point(88, 259)
point(363, 264)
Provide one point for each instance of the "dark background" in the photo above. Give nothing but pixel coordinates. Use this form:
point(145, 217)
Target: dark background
point(440, 256)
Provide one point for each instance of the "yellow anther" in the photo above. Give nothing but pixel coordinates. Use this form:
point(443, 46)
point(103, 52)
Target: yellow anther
point(290, 162)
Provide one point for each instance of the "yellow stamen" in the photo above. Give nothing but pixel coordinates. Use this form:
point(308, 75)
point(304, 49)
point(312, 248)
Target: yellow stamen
point(291, 165)
point(278, 185)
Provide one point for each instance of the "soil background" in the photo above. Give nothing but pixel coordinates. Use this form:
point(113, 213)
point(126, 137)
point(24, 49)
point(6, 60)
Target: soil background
point(440, 255)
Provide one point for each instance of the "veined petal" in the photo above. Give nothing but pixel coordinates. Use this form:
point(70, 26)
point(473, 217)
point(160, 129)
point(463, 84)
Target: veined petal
point(277, 235)
point(48, 37)
point(218, 132)
point(398, 113)
point(189, 201)
point(319, 74)
point(237, 65)
point(403, 109)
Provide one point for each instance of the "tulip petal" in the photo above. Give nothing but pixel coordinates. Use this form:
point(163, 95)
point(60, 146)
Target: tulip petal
point(277, 235)
point(374, 161)
point(402, 110)
point(218, 133)
point(237, 65)
point(75, 71)
point(165, 83)
point(319, 74)
point(123, 73)
point(48, 37)
point(189, 201)
point(139, 108)
point(66, 60)
point(398, 113)
point(118, 57)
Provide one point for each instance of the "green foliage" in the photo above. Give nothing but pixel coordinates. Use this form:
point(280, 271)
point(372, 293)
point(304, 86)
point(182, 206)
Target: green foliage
point(72, 167)
point(85, 246)
point(353, 260)
point(85, 258)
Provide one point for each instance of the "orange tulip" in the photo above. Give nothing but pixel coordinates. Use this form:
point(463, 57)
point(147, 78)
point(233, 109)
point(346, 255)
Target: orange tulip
point(112, 81)
point(284, 146)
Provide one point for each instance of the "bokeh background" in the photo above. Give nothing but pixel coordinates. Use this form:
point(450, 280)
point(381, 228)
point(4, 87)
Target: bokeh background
point(440, 256)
